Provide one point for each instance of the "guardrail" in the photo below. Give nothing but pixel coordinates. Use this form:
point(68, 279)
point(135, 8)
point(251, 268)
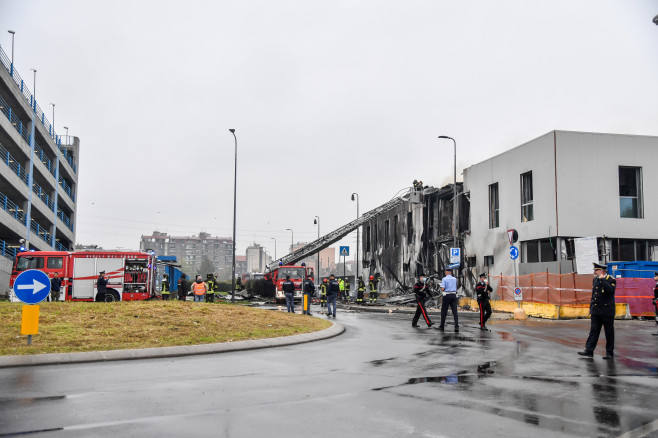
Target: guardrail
point(10, 207)
point(60, 247)
point(67, 188)
point(36, 188)
point(14, 120)
point(64, 218)
point(38, 151)
point(41, 232)
point(8, 251)
point(13, 164)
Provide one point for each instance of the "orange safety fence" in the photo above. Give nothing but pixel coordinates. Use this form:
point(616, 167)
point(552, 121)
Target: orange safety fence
point(574, 290)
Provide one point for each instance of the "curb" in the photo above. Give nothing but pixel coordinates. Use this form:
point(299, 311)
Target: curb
point(160, 352)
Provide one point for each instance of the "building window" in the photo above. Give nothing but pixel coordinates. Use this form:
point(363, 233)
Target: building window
point(387, 233)
point(494, 218)
point(527, 213)
point(541, 250)
point(395, 230)
point(630, 192)
point(488, 260)
point(410, 228)
point(375, 237)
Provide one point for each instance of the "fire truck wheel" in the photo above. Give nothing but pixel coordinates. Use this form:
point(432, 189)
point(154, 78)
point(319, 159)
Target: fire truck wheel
point(111, 296)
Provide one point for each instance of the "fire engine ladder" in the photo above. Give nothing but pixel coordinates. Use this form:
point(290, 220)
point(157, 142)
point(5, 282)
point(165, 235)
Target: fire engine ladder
point(326, 240)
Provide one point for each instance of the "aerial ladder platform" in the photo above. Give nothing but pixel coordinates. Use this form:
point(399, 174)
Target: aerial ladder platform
point(326, 240)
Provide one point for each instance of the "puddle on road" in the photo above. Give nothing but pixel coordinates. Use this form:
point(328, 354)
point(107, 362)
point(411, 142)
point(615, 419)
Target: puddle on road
point(30, 400)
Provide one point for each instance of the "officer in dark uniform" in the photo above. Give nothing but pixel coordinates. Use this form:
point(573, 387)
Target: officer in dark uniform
point(309, 290)
point(422, 291)
point(289, 291)
point(482, 290)
point(655, 298)
point(602, 311)
point(101, 286)
point(360, 291)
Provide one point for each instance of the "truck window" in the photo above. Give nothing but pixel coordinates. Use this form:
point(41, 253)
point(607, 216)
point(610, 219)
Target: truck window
point(55, 262)
point(28, 262)
point(295, 273)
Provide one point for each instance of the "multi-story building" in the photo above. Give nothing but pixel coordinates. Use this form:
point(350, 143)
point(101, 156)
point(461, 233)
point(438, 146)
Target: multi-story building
point(38, 173)
point(190, 251)
point(257, 258)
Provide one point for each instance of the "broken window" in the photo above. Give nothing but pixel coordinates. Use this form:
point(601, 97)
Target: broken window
point(368, 238)
point(630, 192)
point(527, 213)
point(410, 228)
point(488, 260)
point(494, 218)
point(540, 250)
point(387, 226)
point(395, 230)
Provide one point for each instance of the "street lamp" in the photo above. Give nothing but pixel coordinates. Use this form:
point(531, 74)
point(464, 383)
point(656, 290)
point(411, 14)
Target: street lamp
point(34, 89)
point(292, 239)
point(454, 195)
point(11, 70)
point(52, 125)
point(274, 238)
point(655, 21)
point(357, 232)
point(235, 185)
point(67, 134)
point(316, 221)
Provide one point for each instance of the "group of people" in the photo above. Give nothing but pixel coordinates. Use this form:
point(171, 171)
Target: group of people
point(330, 289)
point(201, 290)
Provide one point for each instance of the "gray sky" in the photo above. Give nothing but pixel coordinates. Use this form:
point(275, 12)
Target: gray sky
point(327, 98)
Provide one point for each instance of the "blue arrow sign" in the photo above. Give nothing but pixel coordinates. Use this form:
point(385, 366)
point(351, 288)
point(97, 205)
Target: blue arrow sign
point(513, 252)
point(344, 250)
point(32, 286)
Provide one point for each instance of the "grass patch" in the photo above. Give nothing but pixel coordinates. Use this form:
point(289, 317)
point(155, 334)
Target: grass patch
point(79, 326)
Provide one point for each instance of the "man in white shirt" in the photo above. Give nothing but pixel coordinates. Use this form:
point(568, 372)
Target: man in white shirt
point(449, 288)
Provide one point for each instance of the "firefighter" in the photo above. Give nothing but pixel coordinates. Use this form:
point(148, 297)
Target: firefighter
point(199, 288)
point(289, 291)
point(323, 292)
point(341, 288)
point(347, 289)
point(212, 288)
point(164, 288)
point(361, 289)
point(655, 298)
point(421, 290)
point(482, 290)
point(372, 288)
point(238, 285)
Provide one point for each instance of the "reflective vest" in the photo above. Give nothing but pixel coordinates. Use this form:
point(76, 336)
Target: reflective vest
point(341, 285)
point(347, 285)
point(323, 289)
point(199, 288)
point(373, 286)
point(211, 286)
point(165, 287)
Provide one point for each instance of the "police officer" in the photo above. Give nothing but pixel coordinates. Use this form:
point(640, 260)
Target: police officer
point(482, 290)
point(422, 292)
point(323, 292)
point(101, 286)
point(449, 288)
point(346, 283)
point(655, 298)
point(164, 287)
point(360, 291)
point(289, 291)
point(602, 311)
point(333, 290)
point(372, 286)
point(309, 290)
point(212, 288)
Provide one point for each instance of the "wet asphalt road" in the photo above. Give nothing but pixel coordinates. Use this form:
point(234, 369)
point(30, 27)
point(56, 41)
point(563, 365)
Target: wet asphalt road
point(380, 378)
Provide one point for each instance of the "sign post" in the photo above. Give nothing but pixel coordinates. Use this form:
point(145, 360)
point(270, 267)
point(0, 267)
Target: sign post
point(514, 254)
point(31, 287)
point(344, 251)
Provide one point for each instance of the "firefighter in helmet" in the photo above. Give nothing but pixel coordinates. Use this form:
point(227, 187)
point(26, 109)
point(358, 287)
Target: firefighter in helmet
point(346, 284)
point(360, 291)
point(165, 287)
point(212, 288)
point(323, 292)
point(372, 287)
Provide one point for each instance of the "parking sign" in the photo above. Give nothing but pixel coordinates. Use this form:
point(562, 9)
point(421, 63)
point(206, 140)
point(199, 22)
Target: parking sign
point(455, 255)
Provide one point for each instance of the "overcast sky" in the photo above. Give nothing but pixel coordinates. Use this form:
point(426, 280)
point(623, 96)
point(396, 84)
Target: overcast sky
point(327, 98)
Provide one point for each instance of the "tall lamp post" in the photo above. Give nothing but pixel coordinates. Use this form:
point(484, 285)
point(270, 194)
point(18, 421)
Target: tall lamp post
point(52, 125)
point(274, 238)
point(454, 194)
point(235, 185)
point(11, 69)
point(356, 196)
point(34, 90)
point(292, 239)
point(316, 221)
point(67, 133)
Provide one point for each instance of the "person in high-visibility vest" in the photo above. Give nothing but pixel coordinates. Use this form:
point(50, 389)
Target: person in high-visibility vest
point(212, 288)
point(165, 287)
point(341, 287)
point(323, 292)
point(346, 283)
point(372, 286)
point(361, 289)
point(199, 289)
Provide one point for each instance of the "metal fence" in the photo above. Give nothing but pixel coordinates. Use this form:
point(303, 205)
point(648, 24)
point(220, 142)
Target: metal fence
point(8, 251)
point(13, 164)
point(10, 207)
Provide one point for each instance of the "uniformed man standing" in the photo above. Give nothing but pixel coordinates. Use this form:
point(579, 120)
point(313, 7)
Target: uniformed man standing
point(449, 288)
point(164, 287)
point(372, 286)
point(421, 290)
point(309, 290)
point(212, 288)
point(55, 287)
point(333, 289)
point(347, 289)
point(482, 290)
point(101, 286)
point(602, 313)
point(323, 292)
point(655, 298)
point(289, 291)
point(360, 291)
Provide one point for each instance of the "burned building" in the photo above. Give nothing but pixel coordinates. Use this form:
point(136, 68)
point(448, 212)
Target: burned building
point(413, 237)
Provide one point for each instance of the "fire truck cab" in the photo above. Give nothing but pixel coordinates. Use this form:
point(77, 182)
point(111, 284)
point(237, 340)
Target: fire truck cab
point(131, 275)
point(297, 275)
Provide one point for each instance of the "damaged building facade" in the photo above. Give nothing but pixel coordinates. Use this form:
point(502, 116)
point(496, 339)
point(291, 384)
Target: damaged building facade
point(553, 189)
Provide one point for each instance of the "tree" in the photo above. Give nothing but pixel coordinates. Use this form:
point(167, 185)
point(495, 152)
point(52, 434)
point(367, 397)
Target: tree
point(206, 267)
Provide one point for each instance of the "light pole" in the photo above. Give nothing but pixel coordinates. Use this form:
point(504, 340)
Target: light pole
point(454, 195)
point(67, 134)
point(52, 125)
point(317, 221)
point(34, 90)
point(11, 69)
point(274, 238)
point(235, 186)
point(292, 240)
point(357, 233)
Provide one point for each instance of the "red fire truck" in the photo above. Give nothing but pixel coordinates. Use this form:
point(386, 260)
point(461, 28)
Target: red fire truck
point(131, 275)
point(297, 275)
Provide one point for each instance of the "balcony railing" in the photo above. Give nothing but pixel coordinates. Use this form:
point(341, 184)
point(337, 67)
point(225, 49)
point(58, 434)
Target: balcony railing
point(41, 232)
point(8, 251)
point(64, 218)
point(67, 188)
point(13, 164)
point(10, 207)
point(36, 188)
point(60, 247)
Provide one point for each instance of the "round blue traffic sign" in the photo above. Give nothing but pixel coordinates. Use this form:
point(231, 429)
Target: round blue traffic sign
point(513, 252)
point(32, 286)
